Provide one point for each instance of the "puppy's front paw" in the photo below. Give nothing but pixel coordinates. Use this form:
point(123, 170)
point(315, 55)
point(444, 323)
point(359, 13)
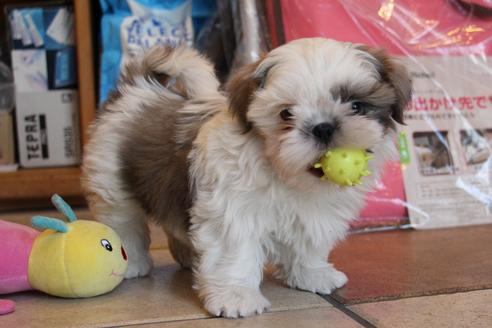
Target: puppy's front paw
point(236, 301)
point(321, 280)
point(138, 266)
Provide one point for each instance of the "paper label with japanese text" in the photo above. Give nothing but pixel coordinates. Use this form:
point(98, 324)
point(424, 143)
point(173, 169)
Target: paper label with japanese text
point(445, 148)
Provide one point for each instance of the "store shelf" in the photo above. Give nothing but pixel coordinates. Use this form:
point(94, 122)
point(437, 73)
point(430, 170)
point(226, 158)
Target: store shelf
point(40, 183)
point(34, 187)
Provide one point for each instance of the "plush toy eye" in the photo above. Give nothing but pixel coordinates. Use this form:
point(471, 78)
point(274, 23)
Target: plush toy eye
point(106, 244)
point(286, 114)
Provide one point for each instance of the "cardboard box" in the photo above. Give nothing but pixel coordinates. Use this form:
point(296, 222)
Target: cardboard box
point(44, 68)
point(47, 128)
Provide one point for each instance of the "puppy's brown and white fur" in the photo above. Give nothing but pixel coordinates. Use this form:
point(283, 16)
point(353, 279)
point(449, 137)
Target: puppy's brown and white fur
point(229, 174)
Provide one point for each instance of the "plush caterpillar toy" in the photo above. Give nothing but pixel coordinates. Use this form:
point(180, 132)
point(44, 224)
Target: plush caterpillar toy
point(75, 259)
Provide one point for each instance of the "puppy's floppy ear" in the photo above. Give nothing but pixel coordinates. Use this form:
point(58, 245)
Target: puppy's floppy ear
point(241, 87)
point(392, 71)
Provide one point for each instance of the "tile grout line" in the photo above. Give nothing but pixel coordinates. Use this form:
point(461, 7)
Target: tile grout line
point(341, 307)
point(132, 324)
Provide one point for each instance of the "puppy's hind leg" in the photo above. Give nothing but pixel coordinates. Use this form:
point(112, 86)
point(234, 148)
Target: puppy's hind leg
point(182, 253)
point(129, 221)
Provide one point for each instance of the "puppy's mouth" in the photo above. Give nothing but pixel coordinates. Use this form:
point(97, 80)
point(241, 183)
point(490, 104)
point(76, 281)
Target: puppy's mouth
point(318, 173)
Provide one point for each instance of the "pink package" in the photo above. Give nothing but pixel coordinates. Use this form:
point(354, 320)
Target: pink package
point(402, 27)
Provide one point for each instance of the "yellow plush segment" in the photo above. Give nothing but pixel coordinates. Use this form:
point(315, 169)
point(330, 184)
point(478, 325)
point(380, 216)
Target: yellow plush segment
point(46, 270)
point(92, 269)
point(77, 263)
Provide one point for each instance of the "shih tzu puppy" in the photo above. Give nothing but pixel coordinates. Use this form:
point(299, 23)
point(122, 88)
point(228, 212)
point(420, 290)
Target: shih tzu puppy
point(229, 174)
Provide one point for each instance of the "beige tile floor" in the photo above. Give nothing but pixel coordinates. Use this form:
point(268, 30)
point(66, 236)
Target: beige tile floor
point(471, 309)
point(166, 299)
point(309, 318)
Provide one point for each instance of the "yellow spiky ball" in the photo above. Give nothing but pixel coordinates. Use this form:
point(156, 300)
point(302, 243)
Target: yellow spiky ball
point(344, 166)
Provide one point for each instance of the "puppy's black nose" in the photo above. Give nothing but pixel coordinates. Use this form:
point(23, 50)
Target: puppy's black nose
point(324, 131)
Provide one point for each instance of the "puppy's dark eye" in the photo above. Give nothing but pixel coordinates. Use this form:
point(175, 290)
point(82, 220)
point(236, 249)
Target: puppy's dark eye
point(359, 107)
point(161, 78)
point(286, 114)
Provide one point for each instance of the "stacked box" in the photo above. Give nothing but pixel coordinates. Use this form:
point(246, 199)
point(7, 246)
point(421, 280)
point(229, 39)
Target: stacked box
point(44, 68)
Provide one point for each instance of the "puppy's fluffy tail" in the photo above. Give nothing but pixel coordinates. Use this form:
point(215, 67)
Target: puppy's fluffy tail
point(174, 74)
point(179, 80)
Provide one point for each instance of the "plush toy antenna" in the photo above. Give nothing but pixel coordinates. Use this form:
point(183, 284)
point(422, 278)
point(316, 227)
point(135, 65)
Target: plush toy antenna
point(63, 207)
point(43, 222)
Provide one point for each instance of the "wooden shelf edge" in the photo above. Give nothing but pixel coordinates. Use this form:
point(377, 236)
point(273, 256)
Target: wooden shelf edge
point(85, 65)
point(40, 183)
